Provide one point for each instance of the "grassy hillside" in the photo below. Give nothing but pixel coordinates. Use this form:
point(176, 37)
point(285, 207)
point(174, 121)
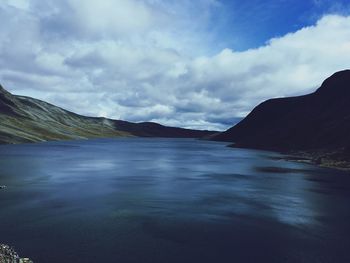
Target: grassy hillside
point(24, 119)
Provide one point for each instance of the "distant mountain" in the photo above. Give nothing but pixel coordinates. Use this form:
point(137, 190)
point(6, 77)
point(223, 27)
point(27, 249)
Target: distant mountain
point(315, 123)
point(24, 119)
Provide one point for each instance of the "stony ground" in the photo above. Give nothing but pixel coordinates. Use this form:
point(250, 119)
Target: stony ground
point(332, 159)
point(9, 255)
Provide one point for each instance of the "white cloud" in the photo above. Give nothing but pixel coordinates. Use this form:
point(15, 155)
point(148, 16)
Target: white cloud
point(21, 4)
point(112, 16)
point(146, 60)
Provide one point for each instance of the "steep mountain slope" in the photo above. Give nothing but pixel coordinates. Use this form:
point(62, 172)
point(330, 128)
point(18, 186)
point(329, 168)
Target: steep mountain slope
point(24, 119)
point(318, 122)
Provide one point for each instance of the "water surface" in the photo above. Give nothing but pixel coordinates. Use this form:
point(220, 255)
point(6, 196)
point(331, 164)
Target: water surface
point(169, 200)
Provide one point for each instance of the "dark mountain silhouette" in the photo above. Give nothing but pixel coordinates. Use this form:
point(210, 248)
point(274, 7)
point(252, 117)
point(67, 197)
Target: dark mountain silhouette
point(318, 122)
point(24, 119)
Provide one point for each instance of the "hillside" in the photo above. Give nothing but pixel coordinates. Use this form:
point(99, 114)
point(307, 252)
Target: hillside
point(317, 124)
point(24, 119)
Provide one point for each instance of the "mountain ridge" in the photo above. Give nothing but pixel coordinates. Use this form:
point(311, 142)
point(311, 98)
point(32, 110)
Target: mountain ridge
point(317, 124)
point(25, 119)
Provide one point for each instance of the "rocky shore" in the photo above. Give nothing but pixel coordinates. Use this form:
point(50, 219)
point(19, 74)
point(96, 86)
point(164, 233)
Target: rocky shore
point(336, 159)
point(331, 159)
point(9, 255)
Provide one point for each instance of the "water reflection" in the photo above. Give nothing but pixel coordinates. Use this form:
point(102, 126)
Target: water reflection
point(169, 200)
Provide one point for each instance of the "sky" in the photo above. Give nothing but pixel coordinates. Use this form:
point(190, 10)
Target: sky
point(201, 64)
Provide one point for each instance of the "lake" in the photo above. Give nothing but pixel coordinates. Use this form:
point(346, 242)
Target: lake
point(169, 200)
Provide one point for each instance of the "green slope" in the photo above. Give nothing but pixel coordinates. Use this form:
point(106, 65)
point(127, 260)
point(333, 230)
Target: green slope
point(24, 119)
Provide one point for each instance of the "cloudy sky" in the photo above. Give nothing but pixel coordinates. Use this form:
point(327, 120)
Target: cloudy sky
point(199, 64)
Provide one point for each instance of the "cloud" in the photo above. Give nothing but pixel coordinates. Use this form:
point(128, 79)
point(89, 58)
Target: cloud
point(110, 15)
point(149, 60)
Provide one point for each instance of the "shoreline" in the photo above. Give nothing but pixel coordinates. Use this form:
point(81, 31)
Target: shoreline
point(327, 159)
point(333, 159)
point(8, 254)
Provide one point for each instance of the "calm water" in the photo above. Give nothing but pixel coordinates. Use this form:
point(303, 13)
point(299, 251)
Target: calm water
point(169, 200)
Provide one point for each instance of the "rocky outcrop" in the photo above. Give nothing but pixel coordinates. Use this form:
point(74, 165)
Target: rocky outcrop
point(9, 255)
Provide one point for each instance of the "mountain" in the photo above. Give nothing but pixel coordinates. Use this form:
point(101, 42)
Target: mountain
point(24, 119)
point(317, 123)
